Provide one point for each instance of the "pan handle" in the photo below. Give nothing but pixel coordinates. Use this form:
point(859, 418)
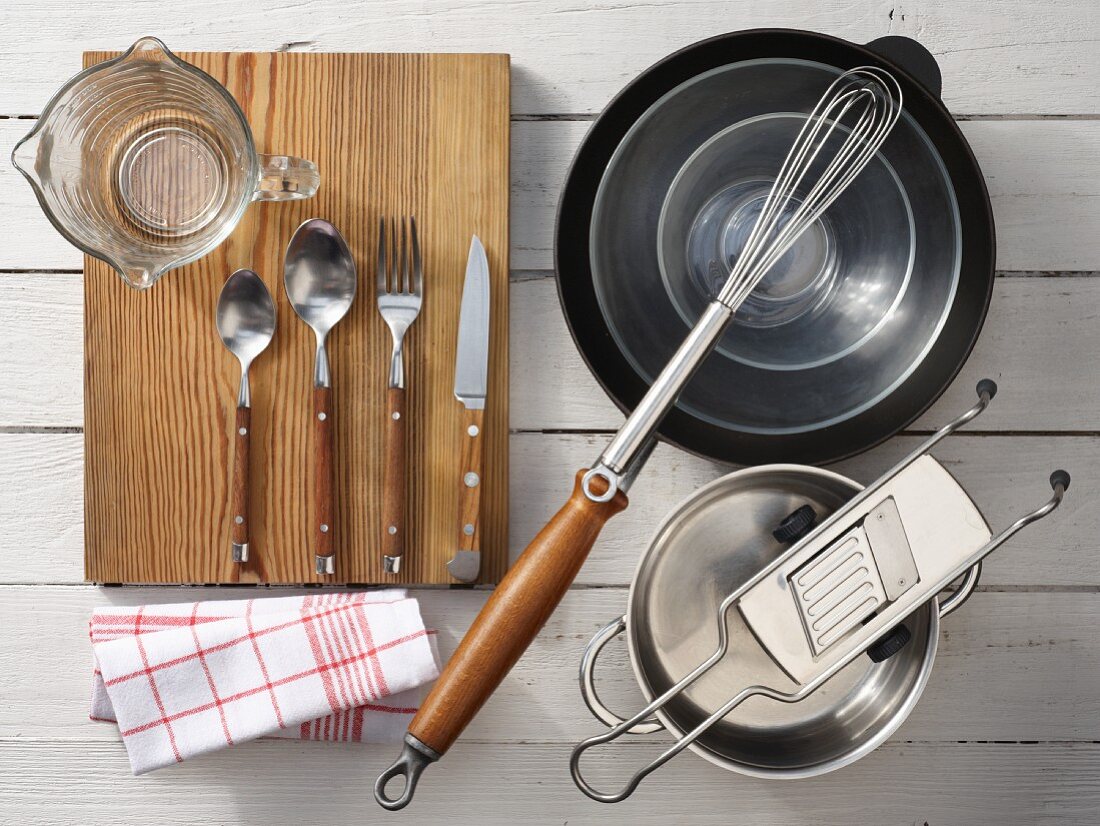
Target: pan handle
point(588, 681)
point(505, 626)
point(911, 56)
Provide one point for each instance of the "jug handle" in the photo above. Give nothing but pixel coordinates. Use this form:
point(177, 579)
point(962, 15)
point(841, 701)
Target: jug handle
point(286, 178)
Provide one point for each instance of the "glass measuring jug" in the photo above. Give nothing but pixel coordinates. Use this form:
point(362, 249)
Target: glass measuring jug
point(148, 163)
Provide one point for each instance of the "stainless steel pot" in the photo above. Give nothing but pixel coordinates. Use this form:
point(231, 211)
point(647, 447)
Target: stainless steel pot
point(783, 622)
point(706, 548)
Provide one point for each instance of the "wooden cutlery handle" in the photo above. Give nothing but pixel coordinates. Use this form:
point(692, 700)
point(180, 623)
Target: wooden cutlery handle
point(394, 476)
point(239, 504)
point(469, 496)
point(324, 450)
point(510, 620)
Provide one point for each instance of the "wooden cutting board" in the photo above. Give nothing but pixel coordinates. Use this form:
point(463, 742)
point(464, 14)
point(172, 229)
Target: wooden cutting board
point(392, 134)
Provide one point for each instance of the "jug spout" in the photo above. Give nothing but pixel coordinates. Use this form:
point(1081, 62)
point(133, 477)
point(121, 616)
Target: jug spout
point(138, 277)
point(25, 158)
point(148, 48)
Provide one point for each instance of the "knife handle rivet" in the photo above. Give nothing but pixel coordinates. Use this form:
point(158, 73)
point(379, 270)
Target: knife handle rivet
point(471, 479)
point(324, 528)
point(472, 430)
point(322, 416)
point(239, 520)
point(396, 415)
point(468, 530)
point(392, 530)
point(243, 431)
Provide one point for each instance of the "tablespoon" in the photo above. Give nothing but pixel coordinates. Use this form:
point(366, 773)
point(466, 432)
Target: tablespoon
point(246, 323)
point(320, 277)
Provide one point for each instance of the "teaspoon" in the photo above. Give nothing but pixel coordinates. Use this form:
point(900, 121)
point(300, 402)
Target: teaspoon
point(246, 323)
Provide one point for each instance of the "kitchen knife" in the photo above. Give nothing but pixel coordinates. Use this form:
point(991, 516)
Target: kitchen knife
point(471, 388)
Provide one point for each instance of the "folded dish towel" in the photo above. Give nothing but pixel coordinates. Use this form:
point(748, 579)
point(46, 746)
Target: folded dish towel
point(189, 678)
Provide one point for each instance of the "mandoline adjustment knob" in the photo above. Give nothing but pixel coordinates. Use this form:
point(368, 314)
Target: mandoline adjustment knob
point(796, 525)
point(886, 647)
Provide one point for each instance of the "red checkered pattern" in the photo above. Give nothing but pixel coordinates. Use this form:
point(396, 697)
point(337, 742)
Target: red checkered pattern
point(186, 679)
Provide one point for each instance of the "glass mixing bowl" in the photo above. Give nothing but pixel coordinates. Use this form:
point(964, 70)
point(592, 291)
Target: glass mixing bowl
point(842, 319)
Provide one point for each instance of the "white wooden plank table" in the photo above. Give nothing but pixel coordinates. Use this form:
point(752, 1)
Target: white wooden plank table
point(1008, 730)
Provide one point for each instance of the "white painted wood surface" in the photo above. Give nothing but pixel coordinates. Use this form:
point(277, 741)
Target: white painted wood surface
point(1007, 731)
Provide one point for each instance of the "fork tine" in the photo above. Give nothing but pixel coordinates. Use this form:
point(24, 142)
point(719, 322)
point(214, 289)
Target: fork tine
point(380, 279)
point(418, 273)
point(406, 281)
point(395, 273)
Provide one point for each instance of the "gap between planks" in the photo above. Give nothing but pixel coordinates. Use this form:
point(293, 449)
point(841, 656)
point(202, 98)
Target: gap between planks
point(516, 276)
point(576, 586)
point(482, 741)
point(585, 117)
point(18, 429)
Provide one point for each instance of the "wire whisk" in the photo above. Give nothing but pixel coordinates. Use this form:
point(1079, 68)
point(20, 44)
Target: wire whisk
point(864, 103)
point(860, 107)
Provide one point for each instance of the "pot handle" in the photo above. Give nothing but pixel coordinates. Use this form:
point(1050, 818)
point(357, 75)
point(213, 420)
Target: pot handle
point(954, 601)
point(588, 684)
point(911, 56)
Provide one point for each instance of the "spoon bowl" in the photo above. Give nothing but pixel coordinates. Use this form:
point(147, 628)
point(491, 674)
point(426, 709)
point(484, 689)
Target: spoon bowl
point(320, 275)
point(246, 316)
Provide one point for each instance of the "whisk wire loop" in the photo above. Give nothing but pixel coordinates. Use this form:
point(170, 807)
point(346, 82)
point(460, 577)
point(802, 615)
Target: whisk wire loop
point(862, 104)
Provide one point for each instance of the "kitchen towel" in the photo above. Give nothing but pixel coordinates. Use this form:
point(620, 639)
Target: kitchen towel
point(189, 678)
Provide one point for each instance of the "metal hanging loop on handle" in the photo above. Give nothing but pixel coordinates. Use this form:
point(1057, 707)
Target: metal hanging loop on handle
point(588, 680)
point(415, 757)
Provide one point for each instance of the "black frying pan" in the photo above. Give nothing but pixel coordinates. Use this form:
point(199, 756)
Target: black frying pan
point(919, 77)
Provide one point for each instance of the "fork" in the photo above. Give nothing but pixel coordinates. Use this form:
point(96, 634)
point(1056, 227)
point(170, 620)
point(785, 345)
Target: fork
point(400, 290)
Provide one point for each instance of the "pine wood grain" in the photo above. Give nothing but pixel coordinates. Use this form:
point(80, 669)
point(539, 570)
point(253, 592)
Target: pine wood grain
point(40, 476)
point(1012, 667)
point(422, 134)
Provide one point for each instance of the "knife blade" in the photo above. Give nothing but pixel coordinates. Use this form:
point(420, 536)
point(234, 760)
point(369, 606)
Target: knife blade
point(471, 389)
